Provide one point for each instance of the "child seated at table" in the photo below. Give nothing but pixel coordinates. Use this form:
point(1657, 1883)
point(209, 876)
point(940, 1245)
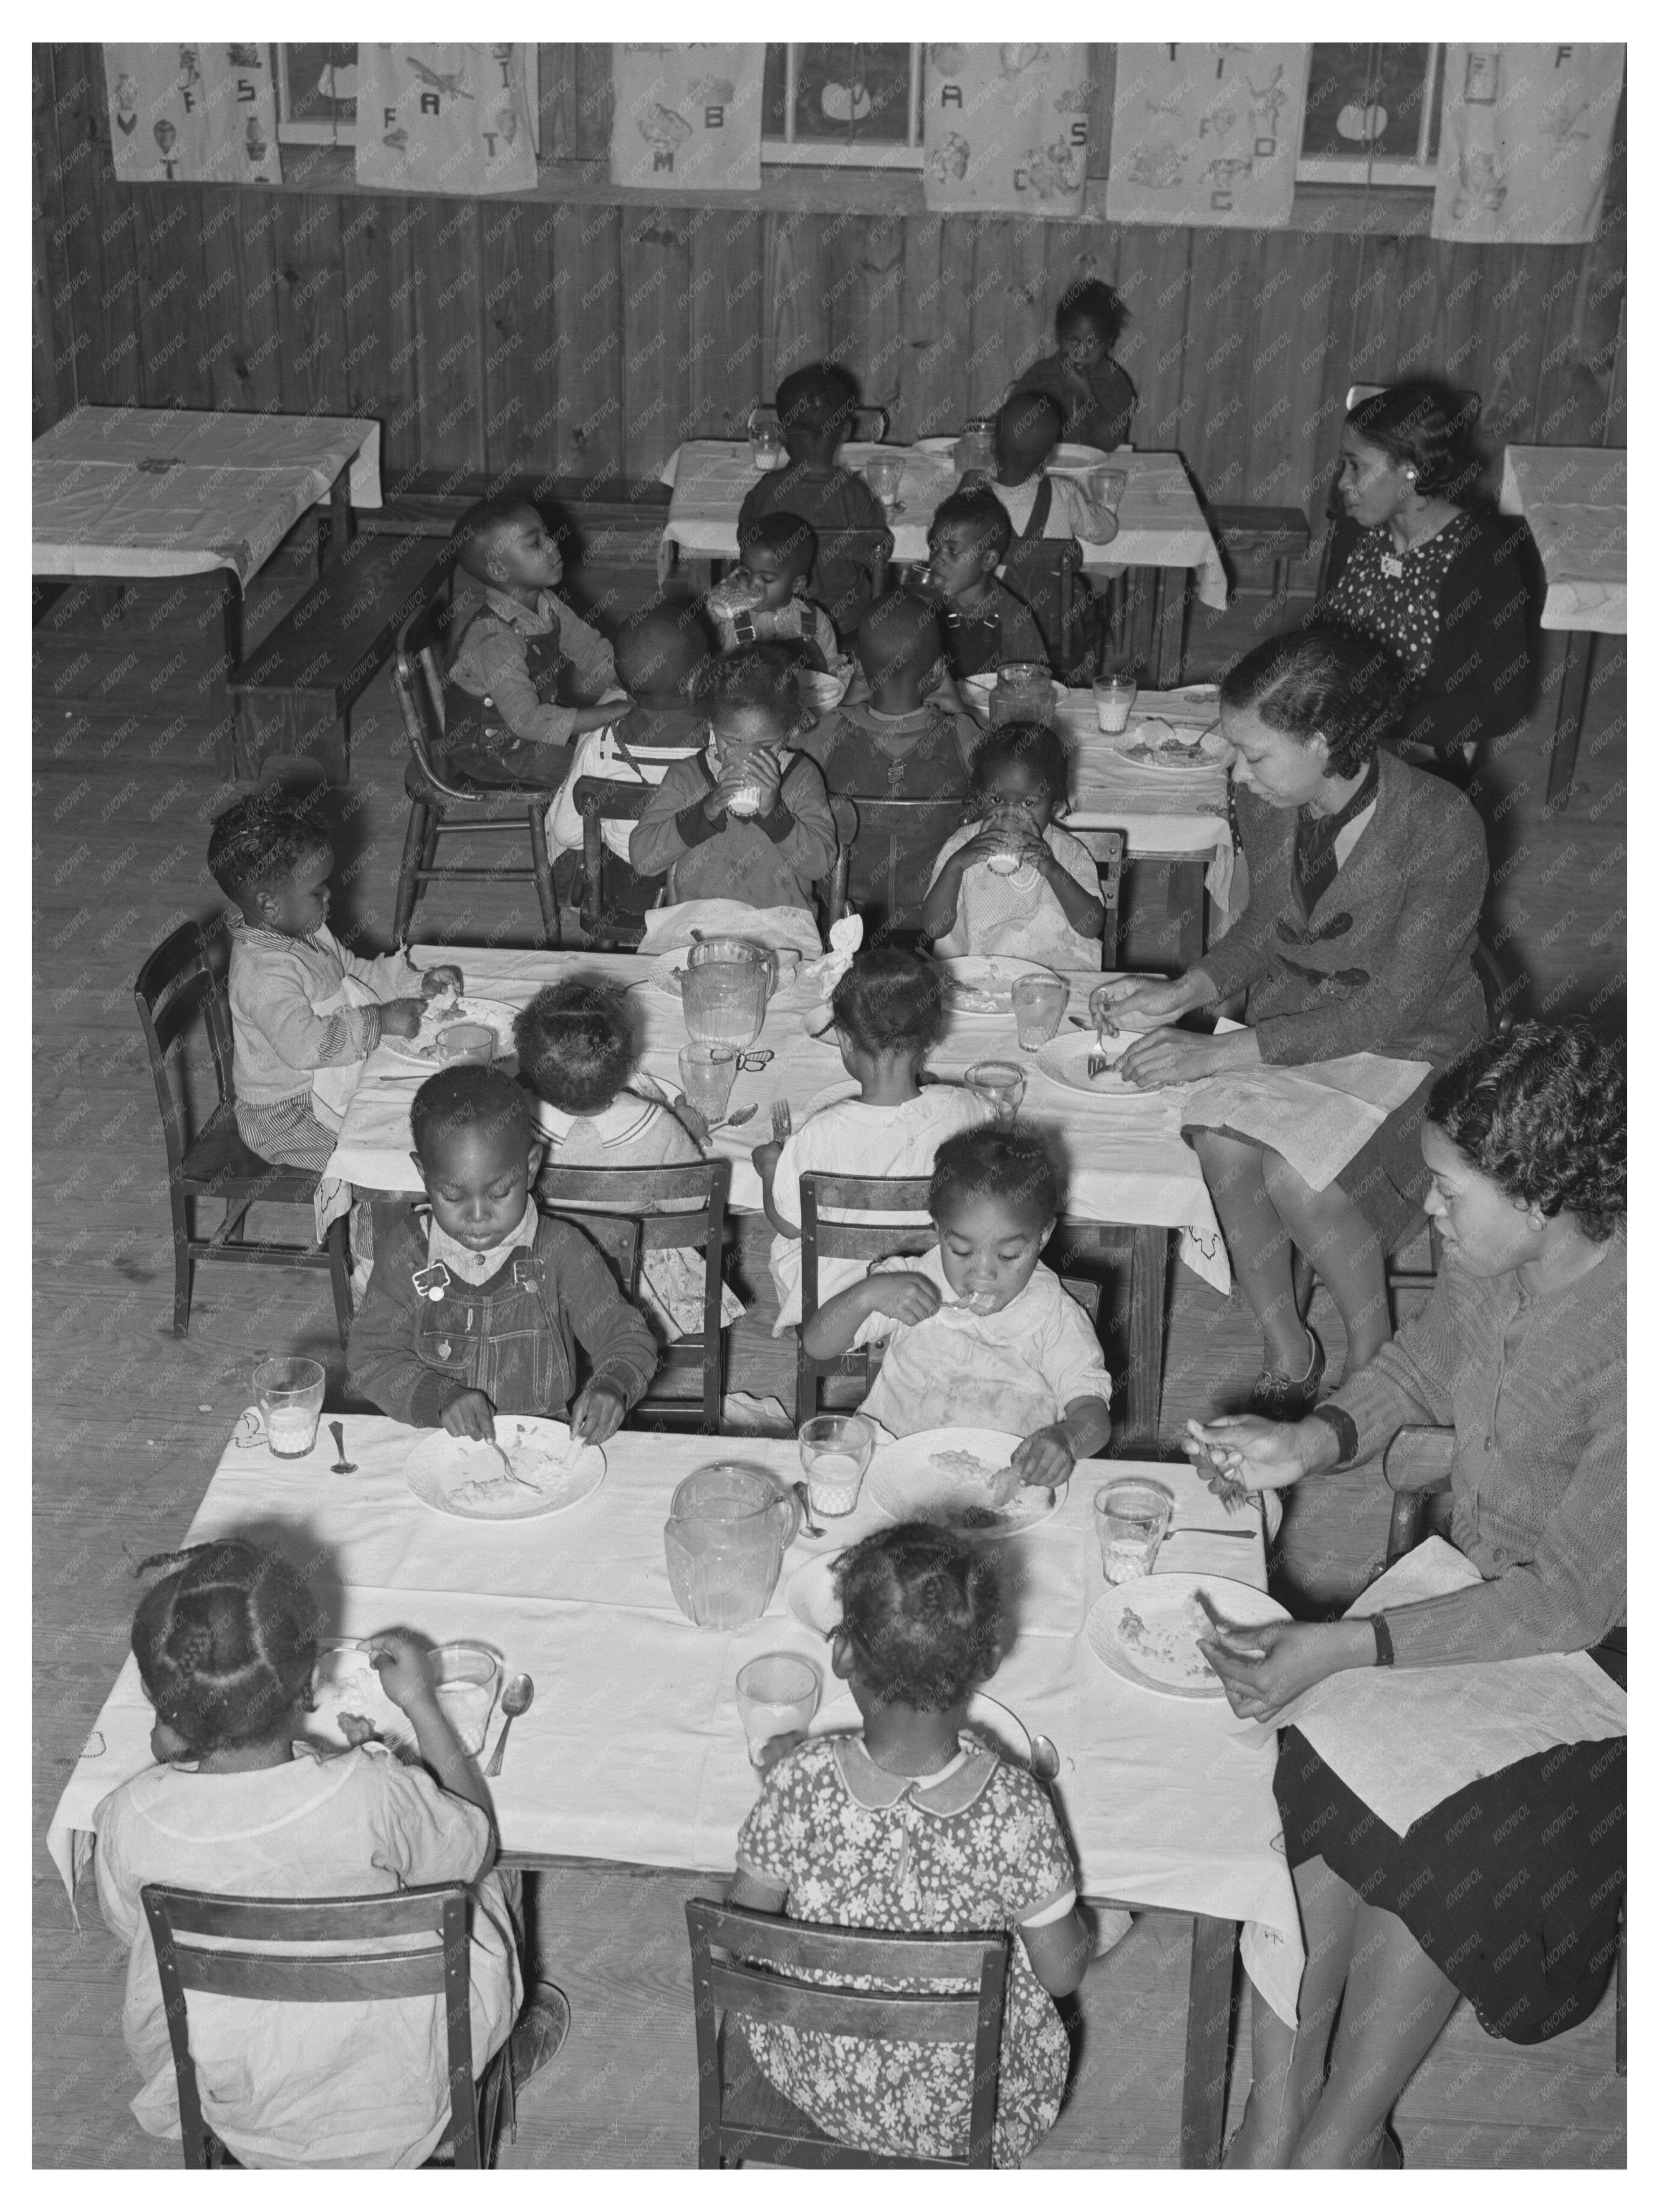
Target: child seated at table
point(1094, 395)
point(889, 1011)
point(765, 595)
point(749, 818)
point(478, 1302)
point(597, 1108)
point(305, 1012)
point(815, 406)
point(979, 1335)
point(983, 622)
point(1043, 506)
point(836, 1836)
point(896, 742)
point(1012, 880)
point(241, 1804)
point(662, 653)
point(503, 725)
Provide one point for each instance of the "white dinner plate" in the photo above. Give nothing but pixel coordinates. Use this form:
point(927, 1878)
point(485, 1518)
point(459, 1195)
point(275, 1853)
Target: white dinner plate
point(421, 1049)
point(1147, 748)
point(983, 984)
point(1065, 457)
point(833, 1094)
point(907, 1484)
point(810, 1593)
point(1147, 1630)
point(441, 1465)
point(985, 1718)
point(937, 449)
point(1066, 1062)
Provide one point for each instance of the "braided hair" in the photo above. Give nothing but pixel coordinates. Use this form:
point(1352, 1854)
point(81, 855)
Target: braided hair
point(225, 1643)
point(923, 1610)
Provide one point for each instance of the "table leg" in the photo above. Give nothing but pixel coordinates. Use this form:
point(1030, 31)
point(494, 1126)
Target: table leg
point(334, 528)
point(1209, 2040)
point(1569, 715)
point(1168, 623)
point(1149, 1273)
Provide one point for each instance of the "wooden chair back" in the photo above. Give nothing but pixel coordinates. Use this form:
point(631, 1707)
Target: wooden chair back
point(1417, 1467)
point(695, 1199)
point(756, 1979)
point(417, 682)
point(1043, 572)
point(909, 826)
point(598, 801)
point(828, 1239)
point(438, 1967)
point(179, 983)
point(868, 551)
point(1106, 847)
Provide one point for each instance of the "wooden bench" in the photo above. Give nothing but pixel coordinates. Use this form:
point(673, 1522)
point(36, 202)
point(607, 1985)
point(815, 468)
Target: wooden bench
point(295, 692)
point(1252, 535)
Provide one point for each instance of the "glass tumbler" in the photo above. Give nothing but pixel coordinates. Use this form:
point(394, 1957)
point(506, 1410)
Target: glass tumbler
point(1131, 1520)
point(290, 1397)
point(1000, 1083)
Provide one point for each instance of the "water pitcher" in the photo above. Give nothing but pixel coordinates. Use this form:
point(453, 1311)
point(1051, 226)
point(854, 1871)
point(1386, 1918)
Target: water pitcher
point(728, 1530)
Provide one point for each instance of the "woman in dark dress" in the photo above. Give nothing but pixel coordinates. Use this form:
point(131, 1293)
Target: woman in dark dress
point(1445, 587)
point(1509, 1891)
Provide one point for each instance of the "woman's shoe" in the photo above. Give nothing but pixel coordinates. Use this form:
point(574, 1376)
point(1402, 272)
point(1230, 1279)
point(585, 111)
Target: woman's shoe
point(1283, 1397)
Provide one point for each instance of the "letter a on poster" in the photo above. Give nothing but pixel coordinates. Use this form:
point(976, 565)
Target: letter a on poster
point(1005, 129)
point(448, 118)
point(1206, 134)
point(687, 116)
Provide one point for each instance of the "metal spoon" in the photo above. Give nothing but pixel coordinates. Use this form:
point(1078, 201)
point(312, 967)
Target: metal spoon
point(1045, 1759)
point(342, 1465)
point(807, 1522)
point(517, 1695)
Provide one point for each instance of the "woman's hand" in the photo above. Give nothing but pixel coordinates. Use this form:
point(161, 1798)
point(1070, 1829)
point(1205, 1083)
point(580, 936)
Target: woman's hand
point(470, 1413)
point(1263, 1669)
point(1166, 1057)
point(1244, 1450)
point(1146, 1005)
point(1046, 1458)
point(598, 1413)
point(404, 1670)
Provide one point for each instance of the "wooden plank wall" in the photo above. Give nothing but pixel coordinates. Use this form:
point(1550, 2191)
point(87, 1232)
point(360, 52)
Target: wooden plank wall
point(588, 338)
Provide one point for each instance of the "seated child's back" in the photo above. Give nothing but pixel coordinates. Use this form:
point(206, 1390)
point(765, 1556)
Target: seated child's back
point(815, 406)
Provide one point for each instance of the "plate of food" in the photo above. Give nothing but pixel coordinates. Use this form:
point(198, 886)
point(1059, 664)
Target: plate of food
point(937, 449)
point(1066, 1062)
point(961, 1478)
point(992, 1724)
point(447, 1012)
point(1147, 1632)
point(1070, 456)
point(531, 1469)
point(350, 1704)
point(983, 983)
point(1156, 743)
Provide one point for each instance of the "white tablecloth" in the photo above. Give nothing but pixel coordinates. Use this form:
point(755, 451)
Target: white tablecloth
point(1574, 499)
point(632, 1751)
point(148, 491)
point(1159, 810)
point(1160, 524)
point(1128, 1163)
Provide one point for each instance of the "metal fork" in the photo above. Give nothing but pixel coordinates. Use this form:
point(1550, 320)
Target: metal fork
point(1098, 1060)
point(782, 1127)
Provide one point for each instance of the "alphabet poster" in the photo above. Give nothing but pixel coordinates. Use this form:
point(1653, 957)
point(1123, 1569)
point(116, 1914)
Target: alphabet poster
point(192, 114)
point(687, 116)
point(1525, 135)
point(1006, 129)
point(449, 119)
point(1206, 134)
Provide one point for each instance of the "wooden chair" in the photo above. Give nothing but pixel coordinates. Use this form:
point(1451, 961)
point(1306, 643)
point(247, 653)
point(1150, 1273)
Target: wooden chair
point(1134, 1257)
point(908, 825)
point(598, 800)
point(1107, 847)
point(438, 1967)
point(434, 804)
point(1044, 573)
point(739, 2113)
point(178, 979)
point(599, 1198)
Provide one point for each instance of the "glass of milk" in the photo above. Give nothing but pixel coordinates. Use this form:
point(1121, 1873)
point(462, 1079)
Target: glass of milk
point(835, 1450)
point(1131, 1519)
point(466, 1677)
point(777, 1695)
point(290, 1397)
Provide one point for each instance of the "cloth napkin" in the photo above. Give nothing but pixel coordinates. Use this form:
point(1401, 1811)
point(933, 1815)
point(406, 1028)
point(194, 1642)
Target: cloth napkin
point(670, 928)
point(1404, 1739)
point(1317, 1117)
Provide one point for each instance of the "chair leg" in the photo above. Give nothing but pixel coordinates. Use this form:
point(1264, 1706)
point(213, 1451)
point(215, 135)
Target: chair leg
point(183, 1266)
point(409, 886)
point(543, 868)
point(339, 1278)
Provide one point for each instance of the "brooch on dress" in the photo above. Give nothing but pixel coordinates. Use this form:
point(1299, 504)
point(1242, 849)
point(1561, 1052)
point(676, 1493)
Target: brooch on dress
point(1392, 566)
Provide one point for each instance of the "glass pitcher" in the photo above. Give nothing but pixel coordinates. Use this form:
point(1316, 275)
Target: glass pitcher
point(976, 449)
point(728, 1530)
point(1024, 693)
point(724, 989)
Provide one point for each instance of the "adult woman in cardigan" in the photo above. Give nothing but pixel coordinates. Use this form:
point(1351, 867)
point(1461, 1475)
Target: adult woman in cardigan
point(1444, 587)
point(1508, 1890)
point(1367, 882)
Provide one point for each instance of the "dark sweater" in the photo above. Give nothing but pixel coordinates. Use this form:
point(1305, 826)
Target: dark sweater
point(1098, 407)
point(1385, 963)
point(1479, 680)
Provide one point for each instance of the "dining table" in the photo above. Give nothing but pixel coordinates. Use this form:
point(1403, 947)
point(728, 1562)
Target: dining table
point(1574, 499)
point(1163, 538)
point(633, 1753)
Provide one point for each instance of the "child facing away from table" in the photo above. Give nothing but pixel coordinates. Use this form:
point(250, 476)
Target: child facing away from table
point(983, 622)
point(836, 1838)
point(765, 596)
point(1094, 393)
point(1044, 506)
point(597, 1108)
point(898, 743)
point(889, 1011)
point(979, 1335)
point(1012, 880)
point(305, 1012)
point(815, 406)
point(749, 818)
point(241, 1804)
point(503, 725)
point(478, 1302)
point(662, 655)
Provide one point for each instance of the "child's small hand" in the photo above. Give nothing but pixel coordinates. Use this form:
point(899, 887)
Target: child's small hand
point(470, 1413)
point(766, 1158)
point(402, 1665)
point(436, 981)
point(1046, 1459)
point(166, 1744)
point(597, 1414)
point(989, 845)
point(904, 1295)
point(779, 1746)
point(692, 1122)
point(401, 1017)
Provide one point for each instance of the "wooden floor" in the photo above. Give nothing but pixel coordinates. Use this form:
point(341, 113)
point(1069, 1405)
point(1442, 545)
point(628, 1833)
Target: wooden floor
point(130, 1421)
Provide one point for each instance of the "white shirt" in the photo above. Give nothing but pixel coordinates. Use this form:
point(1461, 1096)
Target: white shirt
point(478, 1266)
point(1019, 914)
point(1071, 512)
point(1017, 1370)
point(596, 754)
point(853, 1138)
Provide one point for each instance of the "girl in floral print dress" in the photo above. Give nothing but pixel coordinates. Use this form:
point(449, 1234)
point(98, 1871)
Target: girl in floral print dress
point(914, 1825)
